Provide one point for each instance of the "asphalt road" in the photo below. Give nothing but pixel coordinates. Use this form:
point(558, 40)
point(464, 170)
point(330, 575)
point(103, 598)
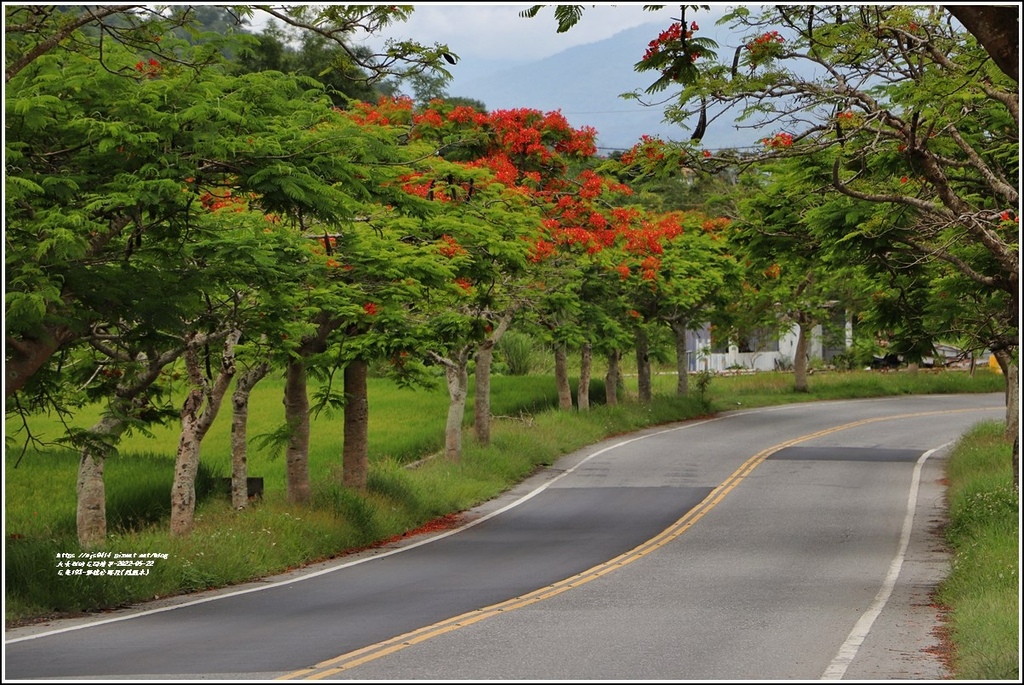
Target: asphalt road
point(794, 542)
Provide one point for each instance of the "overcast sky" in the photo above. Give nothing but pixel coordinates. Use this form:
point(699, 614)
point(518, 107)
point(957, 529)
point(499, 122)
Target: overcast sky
point(484, 30)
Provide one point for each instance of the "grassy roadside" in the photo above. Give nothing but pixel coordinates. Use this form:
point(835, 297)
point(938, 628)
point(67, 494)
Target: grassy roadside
point(982, 592)
point(230, 547)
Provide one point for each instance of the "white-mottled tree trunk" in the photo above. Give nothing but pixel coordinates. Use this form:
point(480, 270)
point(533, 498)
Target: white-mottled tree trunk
point(611, 379)
point(800, 360)
point(91, 517)
point(562, 377)
point(456, 375)
point(200, 408)
point(583, 390)
point(1011, 375)
point(482, 379)
point(682, 359)
point(643, 367)
point(482, 397)
point(239, 434)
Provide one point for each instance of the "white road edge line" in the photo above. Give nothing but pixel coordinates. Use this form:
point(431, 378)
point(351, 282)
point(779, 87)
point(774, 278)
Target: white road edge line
point(848, 651)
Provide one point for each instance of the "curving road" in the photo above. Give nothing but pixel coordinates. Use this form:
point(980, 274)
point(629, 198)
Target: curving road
point(793, 542)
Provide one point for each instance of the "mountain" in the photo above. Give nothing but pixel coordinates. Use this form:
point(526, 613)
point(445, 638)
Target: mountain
point(584, 83)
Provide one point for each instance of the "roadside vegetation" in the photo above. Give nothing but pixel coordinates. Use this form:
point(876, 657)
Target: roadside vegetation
point(982, 592)
point(407, 490)
point(191, 207)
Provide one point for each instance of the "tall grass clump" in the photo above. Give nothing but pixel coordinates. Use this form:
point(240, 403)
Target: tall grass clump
point(982, 591)
point(516, 353)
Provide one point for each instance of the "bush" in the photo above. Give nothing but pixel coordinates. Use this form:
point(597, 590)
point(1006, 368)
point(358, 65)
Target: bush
point(515, 352)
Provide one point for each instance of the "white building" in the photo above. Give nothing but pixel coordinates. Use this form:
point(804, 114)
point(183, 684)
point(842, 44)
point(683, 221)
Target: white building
point(770, 354)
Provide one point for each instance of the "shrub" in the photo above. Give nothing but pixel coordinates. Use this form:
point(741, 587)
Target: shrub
point(515, 352)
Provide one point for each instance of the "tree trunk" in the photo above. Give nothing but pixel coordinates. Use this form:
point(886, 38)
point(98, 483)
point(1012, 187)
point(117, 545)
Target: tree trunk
point(800, 360)
point(583, 390)
point(457, 378)
point(611, 379)
point(200, 408)
point(1011, 391)
point(998, 31)
point(129, 398)
point(1015, 462)
point(1012, 375)
point(356, 447)
point(484, 361)
point(92, 497)
point(296, 407)
point(239, 434)
point(296, 413)
point(682, 359)
point(643, 367)
point(186, 464)
point(482, 398)
point(562, 378)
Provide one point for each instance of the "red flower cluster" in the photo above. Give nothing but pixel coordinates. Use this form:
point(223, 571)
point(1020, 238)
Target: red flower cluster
point(527, 132)
point(649, 149)
point(765, 47)
point(450, 247)
point(669, 35)
point(222, 200)
point(649, 268)
point(770, 38)
point(778, 141)
point(541, 250)
point(387, 111)
point(430, 117)
point(150, 68)
point(415, 184)
point(593, 185)
point(463, 114)
point(504, 170)
point(712, 225)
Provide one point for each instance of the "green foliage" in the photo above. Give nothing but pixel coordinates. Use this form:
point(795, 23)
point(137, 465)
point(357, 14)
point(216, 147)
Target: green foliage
point(702, 382)
point(913, 96)
point(313, 56)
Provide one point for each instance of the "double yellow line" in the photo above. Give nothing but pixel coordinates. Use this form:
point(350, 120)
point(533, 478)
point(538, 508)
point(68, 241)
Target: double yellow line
point(381, 649)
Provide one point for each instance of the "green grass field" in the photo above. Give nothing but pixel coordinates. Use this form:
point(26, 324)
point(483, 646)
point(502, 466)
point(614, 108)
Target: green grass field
point(228, 547)
point(983, 588)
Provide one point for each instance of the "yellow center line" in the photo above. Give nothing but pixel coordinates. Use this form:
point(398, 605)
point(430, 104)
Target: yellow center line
point(375, 651)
